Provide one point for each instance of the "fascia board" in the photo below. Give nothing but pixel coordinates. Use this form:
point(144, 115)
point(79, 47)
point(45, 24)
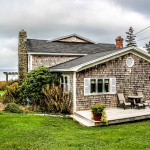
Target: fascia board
point(61, 70)
point(57, 54)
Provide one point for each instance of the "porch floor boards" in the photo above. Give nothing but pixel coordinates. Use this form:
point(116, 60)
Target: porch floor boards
point(114, 116)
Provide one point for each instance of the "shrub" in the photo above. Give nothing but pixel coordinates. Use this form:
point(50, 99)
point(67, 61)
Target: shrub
point(57, 101)
point(11, 93)
point(98, 108)
point(34, 82)
point(10, 82)
point(2, 85)
point(13, 108)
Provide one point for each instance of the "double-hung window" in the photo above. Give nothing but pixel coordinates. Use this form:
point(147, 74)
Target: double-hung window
point(95, 86)
point(65, 83)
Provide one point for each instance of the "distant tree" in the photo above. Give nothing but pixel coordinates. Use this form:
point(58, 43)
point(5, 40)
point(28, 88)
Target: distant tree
point(148, 47)
point(130, 39)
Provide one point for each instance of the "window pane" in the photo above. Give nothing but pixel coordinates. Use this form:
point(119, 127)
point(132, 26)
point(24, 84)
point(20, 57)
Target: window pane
point(66, 80)
point(62, 79)
point(106, 85)
point(93, 85)
point(100, 85)
point(67, 90)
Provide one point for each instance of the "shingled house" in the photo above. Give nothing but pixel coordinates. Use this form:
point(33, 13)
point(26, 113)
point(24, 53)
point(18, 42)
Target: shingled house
point(93, 72)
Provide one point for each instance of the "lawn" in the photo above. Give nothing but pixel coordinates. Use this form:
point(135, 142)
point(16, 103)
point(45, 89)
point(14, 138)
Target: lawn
point(1, 92)
point(29, 132)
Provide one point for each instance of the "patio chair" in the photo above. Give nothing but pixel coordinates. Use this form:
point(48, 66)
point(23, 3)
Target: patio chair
point(122, 101)
point(145, 103)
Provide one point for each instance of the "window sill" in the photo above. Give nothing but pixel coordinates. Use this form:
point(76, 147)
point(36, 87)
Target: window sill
point(99, 94)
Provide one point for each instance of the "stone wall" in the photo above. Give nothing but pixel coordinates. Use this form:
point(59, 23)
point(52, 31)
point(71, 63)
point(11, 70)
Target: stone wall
point(49, 61)
point(22, 56)
point(128, 81)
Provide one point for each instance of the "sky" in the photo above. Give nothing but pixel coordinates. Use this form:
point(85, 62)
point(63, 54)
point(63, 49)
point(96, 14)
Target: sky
point(101, 21)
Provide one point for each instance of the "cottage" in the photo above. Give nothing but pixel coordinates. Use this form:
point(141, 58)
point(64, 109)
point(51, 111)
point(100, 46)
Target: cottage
point(93, 72)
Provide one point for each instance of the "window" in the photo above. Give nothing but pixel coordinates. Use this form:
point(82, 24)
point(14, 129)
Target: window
point(106, 85)
point(65, 83)
point(130, 62)
point(95, 86)
point(100, 85)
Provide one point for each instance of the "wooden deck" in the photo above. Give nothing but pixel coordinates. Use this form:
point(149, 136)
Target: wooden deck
point(114, 116)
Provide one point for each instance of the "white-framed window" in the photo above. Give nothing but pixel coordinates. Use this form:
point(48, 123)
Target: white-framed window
point(65, 83)
point(96, 86)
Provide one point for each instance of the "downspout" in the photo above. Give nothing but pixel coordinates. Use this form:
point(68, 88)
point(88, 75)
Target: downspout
point(74, 92)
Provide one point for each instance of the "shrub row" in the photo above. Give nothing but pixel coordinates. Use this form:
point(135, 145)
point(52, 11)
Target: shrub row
point(42, 89)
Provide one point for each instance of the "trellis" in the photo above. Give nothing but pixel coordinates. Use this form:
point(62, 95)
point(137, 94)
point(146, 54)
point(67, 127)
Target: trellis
point(9, 73)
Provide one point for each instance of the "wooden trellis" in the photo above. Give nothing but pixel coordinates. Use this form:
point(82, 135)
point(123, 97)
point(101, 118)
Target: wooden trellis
point(9, 73)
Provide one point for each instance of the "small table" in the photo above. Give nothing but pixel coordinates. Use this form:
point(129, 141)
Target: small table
point(133, 98)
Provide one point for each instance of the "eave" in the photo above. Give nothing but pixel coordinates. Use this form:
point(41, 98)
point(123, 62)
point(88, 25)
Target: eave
point(134, 50)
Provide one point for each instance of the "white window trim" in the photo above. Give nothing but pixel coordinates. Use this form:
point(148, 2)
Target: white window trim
point(110, 87)
point(68, 80)
point(130, 65)
point(74, 91)
point(29, 63)
point(97, 93)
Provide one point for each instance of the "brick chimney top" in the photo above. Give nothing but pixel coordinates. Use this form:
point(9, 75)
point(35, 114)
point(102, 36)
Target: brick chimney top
point(119, 42)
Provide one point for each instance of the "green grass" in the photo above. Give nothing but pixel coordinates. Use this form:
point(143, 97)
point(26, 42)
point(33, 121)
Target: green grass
point(2, 92)
point(29, 132)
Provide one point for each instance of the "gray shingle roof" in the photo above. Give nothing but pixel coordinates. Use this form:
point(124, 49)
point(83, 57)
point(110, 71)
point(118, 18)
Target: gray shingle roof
point(44, 46)
point(74, 64)
point(82, 60)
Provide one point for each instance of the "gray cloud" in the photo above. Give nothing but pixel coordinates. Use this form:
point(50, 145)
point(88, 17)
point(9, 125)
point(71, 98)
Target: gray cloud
point(141, 6)
point(98, 20)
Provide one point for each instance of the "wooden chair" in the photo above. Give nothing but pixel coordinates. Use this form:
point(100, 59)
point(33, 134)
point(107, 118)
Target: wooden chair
point(145, 103)
point(122, 101)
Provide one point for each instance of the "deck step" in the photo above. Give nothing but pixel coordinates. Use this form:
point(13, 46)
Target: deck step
point(89, 122)
point(114, 116)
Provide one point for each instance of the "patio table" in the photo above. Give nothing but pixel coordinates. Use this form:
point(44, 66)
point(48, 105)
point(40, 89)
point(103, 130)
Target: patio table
point(133, 99)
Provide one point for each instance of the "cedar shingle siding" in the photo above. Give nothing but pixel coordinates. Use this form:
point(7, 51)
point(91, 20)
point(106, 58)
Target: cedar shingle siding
point(128, 81)
point(49, 61)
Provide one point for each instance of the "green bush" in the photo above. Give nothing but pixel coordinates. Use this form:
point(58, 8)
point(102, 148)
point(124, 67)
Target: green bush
point(13, 108)
point(34, 82)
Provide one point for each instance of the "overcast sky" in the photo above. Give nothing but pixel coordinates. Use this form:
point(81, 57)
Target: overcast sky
point(99, 20)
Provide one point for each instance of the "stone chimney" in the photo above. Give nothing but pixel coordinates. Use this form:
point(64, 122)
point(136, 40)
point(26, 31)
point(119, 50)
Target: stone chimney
point(119, 42)
point(22, 56)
